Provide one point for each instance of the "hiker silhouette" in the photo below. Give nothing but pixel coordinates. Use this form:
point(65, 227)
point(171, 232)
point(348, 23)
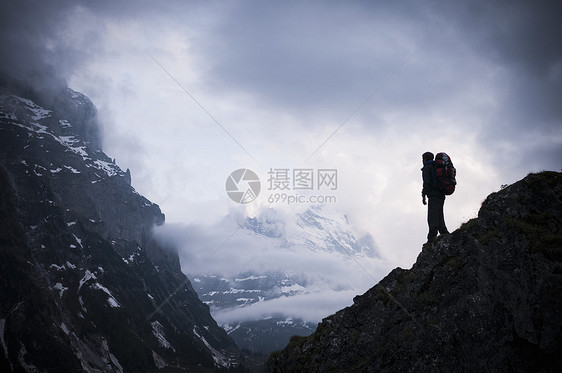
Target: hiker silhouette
point(435, 217)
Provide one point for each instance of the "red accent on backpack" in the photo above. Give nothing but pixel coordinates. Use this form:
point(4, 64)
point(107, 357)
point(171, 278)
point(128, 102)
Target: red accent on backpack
point(446, 173)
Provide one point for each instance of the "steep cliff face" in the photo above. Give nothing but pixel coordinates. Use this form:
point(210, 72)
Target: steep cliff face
point(486, 298)
point(83, 286)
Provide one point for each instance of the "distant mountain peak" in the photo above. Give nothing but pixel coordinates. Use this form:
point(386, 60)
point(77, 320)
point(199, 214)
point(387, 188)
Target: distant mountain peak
point(244, 301)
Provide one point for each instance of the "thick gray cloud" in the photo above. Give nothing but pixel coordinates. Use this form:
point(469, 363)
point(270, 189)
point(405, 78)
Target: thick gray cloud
point(321, 55)
point(522, 41)
point(319, 51)
point(25, 35)
point(38, 37)
point(314, 60)
point(318, 60)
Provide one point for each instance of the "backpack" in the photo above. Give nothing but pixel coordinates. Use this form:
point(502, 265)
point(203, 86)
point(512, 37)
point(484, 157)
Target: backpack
point(445, 173)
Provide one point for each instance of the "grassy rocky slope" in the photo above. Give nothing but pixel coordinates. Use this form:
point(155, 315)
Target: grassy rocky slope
point(486, 298)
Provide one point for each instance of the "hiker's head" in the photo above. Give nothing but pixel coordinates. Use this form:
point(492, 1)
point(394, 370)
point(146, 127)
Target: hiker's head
point(427, 156)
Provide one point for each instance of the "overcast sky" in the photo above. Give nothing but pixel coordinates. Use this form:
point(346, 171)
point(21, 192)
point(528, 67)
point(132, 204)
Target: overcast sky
point(187, 92)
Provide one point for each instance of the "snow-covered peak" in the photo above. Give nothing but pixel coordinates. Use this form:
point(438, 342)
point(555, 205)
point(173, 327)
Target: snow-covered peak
point(318, 228)
point(330, 230)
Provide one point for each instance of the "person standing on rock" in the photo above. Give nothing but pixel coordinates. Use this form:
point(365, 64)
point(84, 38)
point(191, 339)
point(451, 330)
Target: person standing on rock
point(435, 217)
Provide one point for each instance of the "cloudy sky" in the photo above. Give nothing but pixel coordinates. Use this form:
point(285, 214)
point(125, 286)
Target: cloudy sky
point(189, 91)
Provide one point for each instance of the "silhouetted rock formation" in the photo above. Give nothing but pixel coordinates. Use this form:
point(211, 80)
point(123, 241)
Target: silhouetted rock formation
point(486, 298)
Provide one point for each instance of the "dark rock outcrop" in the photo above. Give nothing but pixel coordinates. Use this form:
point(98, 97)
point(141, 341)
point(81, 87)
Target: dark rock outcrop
point(83, 285)
point(486, 298)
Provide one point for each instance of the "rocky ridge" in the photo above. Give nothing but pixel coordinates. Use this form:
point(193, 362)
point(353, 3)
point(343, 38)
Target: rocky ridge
point(486, 298)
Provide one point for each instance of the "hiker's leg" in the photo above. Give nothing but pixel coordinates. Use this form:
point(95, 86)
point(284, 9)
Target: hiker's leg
point(442, 226)
point(433, 207)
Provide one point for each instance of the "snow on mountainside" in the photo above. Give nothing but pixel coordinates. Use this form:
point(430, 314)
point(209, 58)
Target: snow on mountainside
point(26, 114)
point(323, 229)
point(83, 285)
point(299, 272)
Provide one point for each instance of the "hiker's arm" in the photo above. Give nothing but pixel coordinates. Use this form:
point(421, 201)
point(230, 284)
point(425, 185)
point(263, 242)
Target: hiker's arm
point(426, 182)
point(426, 178)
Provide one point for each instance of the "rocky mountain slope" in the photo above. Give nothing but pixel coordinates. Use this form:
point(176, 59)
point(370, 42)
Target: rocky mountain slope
point(486, 298)
point(83, 285)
